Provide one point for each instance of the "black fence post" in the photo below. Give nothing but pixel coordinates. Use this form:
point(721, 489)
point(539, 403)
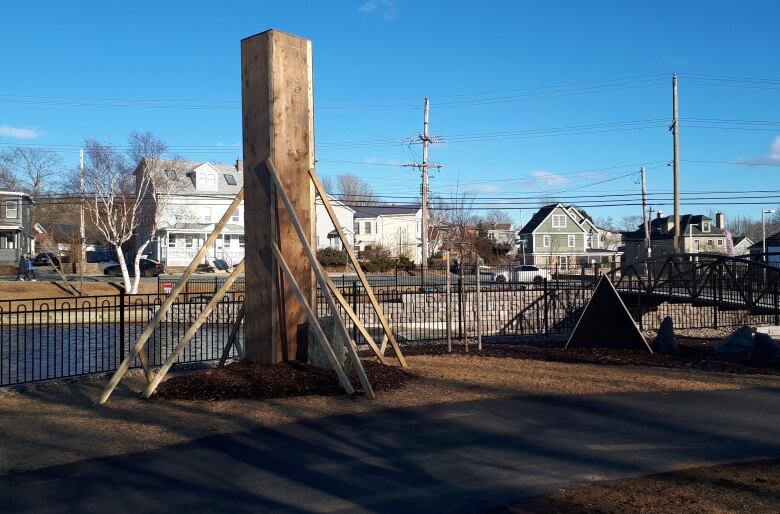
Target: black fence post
point(460, 306)
point(715, 297)
point(122, 296)
point(546, 320)
point(777, 301)
point(354, 308)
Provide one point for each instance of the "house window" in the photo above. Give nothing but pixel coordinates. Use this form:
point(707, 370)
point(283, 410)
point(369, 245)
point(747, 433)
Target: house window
point(188, 241)
point(357, 227)
point(207, 215)
point(559, 221)
point(720, 242)
point(368, 227)
point(11, 209)
point(572, 240)
point(705, 226)
point(696, 245)
point(241, 242)
point(236, 214)
point(172, 241)
point(546, 241)
point(228, 240)
point(230, 179)
point(210, 180)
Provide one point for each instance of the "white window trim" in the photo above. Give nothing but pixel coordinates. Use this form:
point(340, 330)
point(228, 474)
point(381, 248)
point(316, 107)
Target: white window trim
point(8, 204)
point(572, 240)
point(546, 241)
point(207, 215)
point(171, 240)
point(560, 216)
point(705, 226)
point(236, 214)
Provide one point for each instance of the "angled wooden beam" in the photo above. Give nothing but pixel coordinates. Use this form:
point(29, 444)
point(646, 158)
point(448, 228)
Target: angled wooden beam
point(353, 316)
point(166, 305)
point(362, 276)
point(233, 337)
point(315, 324)
point(185, 340)
point(320, 274)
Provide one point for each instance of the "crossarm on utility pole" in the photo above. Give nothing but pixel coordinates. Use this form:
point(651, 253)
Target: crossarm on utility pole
point(166, 305)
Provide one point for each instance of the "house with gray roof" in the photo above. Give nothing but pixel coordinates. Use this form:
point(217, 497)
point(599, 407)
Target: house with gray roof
point(398, 228)
point(560, 235)
point(15, 226)
point(199, 194)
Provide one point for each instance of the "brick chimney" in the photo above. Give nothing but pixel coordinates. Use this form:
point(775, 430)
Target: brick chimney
point(239, 165)
point(720, 220)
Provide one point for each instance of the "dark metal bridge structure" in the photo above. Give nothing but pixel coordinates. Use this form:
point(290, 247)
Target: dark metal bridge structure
point(702, 279)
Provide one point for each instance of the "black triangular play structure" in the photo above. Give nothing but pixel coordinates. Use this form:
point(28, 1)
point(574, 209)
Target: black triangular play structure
point(606, 322)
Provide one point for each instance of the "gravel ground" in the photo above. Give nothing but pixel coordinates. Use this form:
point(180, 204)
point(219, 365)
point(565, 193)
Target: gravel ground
point(57, 423)
point(742, 487)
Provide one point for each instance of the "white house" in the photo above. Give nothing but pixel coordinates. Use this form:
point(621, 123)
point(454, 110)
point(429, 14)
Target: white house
point(395, 227)
point(200, 195)
point(325, 232)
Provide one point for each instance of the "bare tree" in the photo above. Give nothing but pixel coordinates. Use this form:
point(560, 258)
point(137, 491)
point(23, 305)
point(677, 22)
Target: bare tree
point(496, 216)
point(328, 184)
point(35, 170)
point(126, 188)
point(355, 190)
point(7, 179)
point(632, 222)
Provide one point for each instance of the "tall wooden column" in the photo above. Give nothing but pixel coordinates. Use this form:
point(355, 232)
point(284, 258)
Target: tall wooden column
point(278, 122)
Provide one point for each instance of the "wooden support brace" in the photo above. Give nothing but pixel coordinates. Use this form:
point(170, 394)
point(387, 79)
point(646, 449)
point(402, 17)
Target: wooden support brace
point(166, 305)
point(353, 316)
point(320, 274)
point(233, 337)
point(362, 276)
point(315, 324)
point(202, 317)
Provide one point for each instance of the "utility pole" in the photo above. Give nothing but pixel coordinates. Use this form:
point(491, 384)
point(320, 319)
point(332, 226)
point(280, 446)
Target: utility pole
point(424, 193)
point(676, 138)
point(645, 220)
point(425, 167)
point(82, 233)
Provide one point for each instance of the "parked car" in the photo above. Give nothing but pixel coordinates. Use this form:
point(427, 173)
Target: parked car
point(528, 273)
point(48, 259)
point(149, 268)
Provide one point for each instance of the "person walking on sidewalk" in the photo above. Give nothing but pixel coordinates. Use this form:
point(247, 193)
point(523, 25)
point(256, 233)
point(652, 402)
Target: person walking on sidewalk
point(22, 271)
point(30, 269)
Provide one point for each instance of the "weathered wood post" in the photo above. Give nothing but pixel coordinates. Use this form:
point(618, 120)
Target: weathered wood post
point(278, 123)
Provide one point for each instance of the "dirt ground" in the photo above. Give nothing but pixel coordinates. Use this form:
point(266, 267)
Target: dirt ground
point(57, 423)
point(741, 487)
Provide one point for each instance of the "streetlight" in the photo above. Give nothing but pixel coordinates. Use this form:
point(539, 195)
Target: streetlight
point(764, 212)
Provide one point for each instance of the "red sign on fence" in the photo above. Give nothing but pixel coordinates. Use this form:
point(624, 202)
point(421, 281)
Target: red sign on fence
point(167, 287)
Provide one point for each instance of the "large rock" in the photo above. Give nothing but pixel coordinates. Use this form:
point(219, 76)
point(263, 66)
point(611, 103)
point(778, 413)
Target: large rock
point(740, 341)
point(665, 341)
point(317, 355)
point(765, 350)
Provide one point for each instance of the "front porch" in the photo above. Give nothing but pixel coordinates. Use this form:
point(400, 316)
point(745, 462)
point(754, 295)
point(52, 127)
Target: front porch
point(179, 248)
point(12, 245)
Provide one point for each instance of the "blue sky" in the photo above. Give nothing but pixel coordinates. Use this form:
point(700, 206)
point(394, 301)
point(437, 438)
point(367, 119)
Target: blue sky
point(495, 72)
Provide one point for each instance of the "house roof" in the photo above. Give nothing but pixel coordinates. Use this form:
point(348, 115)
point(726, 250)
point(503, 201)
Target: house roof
point(333, 201)
point(498, 226)
point(538, 218)
point(690, 224)
point(739, 239)
point(773, 240)
point(181, 173)
point(373, 211)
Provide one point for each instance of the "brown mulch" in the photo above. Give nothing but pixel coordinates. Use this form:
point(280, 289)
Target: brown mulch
point(696, 354)
point(252, 380)
point(742, 487)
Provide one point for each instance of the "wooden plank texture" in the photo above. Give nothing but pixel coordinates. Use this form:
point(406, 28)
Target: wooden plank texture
point(276, 83)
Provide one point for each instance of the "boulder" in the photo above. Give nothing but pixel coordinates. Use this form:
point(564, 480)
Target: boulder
point(740, 341)
point(665, 341)
point(765, 350)
point(316, 355)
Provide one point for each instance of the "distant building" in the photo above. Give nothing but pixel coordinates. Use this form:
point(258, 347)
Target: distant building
point(561, 235)
point(772, 247)
point(326, 234)
point(501, 233)
point(742, 245)
point(398, 228)
point(15, 226)
point(698, 232)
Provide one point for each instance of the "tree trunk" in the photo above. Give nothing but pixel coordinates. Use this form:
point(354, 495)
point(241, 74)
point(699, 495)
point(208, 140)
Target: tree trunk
point(120, 257)
point(137, 267)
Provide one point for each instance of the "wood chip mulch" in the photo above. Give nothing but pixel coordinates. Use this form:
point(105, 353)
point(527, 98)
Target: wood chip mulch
point(257, 381)
point(693, 354)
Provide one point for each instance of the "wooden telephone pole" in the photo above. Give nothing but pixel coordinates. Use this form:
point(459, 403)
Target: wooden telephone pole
point(676, 138)
point(645, 219)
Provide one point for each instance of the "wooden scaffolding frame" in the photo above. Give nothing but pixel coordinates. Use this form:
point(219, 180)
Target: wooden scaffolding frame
point(328, 288)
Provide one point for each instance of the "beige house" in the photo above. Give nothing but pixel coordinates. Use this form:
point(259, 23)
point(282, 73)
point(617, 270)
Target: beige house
point(395, 227)
point(699, 234)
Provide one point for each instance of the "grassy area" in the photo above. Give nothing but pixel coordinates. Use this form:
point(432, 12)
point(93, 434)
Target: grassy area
point(741, 487)
point(44, 289)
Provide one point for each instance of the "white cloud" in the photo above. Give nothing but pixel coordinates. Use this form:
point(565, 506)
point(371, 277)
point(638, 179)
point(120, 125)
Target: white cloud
point(549, 178)
point(591, 176)
point(18, 132)
point(484, 188)
point(386, 8)
point(773, 157)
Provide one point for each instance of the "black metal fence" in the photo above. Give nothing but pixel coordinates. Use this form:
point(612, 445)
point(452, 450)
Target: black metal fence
point(61, 337)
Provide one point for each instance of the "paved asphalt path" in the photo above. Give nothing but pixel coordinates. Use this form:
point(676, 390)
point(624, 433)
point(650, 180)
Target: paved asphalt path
point(462, 457)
